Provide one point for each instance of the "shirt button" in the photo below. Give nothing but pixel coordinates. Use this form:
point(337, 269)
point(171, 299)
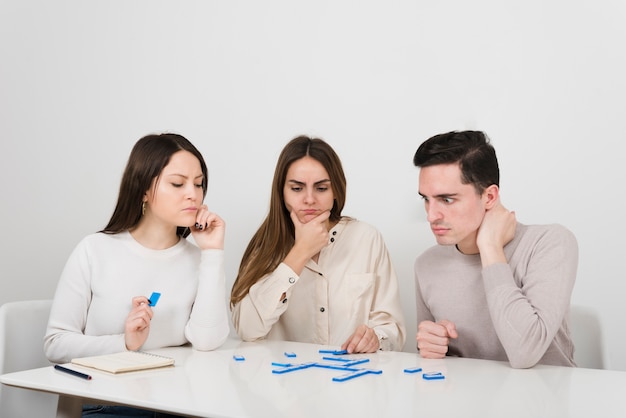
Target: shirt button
point(334, 232)
point(292, 280)
point(322, 309)
point(285, 300)
point(332, 240)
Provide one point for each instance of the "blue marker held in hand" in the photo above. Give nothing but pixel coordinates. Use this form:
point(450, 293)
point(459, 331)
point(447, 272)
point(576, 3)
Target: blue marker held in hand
point(154, 298)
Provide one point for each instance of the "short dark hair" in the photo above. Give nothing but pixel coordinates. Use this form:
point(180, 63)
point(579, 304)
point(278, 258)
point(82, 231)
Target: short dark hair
point(473, 152)
point(146, 162)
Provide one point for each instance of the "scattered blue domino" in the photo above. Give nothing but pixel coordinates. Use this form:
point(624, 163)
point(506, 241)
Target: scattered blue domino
point(335, 367)
point(344, 366)
point(341, 359)
point(281, 364)
point(347, 362)
point(352, 375)
point(334, 352)
point(349, 376)
point(355, 362)
point(154, 298)
point(413, 370)
point(289, 354)
point(239, 358)
point(293, 368)
point(433, 376)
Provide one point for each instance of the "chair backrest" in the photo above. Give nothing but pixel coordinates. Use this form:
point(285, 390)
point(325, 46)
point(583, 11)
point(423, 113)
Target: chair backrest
point(587, 337)
point(22, 328)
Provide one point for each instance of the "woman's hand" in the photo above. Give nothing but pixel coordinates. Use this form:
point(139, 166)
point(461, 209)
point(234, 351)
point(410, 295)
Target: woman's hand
point(310, 238)
point(137, 326)
point(209, 230)
point(363, 340)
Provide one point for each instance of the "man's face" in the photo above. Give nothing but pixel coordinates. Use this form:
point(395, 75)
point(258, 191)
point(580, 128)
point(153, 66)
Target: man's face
point(454, 210)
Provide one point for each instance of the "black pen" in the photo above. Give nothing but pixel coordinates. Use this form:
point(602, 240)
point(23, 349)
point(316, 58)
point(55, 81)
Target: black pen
point(72, 372)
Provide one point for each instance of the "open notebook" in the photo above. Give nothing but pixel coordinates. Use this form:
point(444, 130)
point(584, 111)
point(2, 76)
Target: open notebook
point(125, 361)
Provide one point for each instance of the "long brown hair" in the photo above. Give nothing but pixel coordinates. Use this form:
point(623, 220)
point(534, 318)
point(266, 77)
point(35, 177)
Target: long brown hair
point(146, 162)
point(275, 237)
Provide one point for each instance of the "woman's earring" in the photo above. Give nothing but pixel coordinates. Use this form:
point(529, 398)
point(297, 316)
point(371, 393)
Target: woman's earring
point(143, 208)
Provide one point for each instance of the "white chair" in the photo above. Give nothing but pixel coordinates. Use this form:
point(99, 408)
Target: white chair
point(587, 337)
point(22, 328)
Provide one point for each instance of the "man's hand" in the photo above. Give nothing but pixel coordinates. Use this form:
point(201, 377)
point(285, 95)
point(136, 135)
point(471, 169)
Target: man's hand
point(496, 230)
point(433, 338)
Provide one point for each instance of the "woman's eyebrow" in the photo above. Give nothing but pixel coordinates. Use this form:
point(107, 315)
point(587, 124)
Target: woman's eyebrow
point(301, 183)
point(184, 176)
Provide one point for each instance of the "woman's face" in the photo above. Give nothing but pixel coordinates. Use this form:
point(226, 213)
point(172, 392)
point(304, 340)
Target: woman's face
point(308, 191)
point(175, 196)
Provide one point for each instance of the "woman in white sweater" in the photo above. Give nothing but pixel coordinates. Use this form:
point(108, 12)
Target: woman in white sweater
point(102, 301)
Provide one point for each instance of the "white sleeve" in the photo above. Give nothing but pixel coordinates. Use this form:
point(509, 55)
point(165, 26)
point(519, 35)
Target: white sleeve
point(208, 328)
point(65, 338)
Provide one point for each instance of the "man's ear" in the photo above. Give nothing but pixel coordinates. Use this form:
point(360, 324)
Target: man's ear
point(492, 196)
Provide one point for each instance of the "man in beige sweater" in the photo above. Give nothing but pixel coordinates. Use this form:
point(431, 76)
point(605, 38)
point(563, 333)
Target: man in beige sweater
point(492, 288)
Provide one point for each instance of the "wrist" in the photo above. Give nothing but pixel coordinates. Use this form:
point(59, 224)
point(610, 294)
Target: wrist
point(383, 342)
point(296, 260)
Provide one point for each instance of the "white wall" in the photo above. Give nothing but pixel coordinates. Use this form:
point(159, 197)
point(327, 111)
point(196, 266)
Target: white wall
point(81, 81)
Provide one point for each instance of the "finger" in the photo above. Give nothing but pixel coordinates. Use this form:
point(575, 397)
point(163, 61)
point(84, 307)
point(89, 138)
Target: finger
point(429, 337)
point(295, 220)
point(143, 317)
point(208, 221)
point(141, 311)
point(139, 301)
point(431, 348)
point(202, 221)
point(431, 354)
point(323, 216)
point(355, 339)
point(140, 324)
point(450, 328)
point(201, 217)
point(368, 343)
point(214, 221)
point(351, 343)
point(431, 328)
point(136, 325)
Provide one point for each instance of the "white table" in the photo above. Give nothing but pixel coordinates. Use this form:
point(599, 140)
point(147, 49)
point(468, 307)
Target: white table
point(213, 384)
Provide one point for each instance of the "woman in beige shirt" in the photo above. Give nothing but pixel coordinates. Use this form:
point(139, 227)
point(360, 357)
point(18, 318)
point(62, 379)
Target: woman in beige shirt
point(310, 274)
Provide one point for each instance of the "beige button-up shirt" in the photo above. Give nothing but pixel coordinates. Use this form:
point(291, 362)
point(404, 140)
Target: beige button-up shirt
point(352, 283)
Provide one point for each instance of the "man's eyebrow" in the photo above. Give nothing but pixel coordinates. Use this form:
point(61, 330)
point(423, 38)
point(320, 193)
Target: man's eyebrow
point(440, 196)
